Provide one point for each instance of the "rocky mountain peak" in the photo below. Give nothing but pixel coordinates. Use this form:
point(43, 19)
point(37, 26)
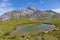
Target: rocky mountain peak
point(31, 13)
point(32, 8)
point(50, 11)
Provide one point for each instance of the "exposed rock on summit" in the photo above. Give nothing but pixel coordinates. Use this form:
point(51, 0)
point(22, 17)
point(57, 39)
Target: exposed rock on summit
point(30, 13)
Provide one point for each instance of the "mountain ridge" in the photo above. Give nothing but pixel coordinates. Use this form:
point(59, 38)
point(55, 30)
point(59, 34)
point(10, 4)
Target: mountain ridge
point(30, 13)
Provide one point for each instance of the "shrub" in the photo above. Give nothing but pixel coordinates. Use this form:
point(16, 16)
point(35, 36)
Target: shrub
point(12, 37)
point(7, 33)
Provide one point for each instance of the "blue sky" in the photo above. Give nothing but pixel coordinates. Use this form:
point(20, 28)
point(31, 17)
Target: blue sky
point(9, 5)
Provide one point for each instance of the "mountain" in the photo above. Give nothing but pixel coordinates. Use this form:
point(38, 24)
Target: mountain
point(30, 13)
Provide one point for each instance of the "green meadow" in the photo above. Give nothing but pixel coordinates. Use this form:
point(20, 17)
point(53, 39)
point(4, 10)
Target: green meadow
point(7, 26)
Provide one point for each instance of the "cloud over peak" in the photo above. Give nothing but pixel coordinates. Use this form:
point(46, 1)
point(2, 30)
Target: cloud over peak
point(5, 6)
point(56, 10)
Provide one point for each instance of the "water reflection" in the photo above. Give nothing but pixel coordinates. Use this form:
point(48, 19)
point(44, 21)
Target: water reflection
point(39, 27)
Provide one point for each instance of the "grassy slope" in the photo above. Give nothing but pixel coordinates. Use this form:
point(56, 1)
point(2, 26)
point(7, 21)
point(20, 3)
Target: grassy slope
point(11, 24)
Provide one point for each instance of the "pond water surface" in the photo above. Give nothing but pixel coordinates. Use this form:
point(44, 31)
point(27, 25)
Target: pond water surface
point(36, 28)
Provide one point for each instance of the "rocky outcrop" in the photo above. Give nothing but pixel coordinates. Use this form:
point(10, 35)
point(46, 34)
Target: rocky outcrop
point(31, 13)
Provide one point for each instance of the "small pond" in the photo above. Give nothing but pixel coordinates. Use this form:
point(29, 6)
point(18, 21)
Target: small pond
point(39, 27)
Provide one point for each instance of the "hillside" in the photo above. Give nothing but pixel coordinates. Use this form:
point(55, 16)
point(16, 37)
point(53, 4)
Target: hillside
point(31, 17)
point(7, 27)
point(30, 13)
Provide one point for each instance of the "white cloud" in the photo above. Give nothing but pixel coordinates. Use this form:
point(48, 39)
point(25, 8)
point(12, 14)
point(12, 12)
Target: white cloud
point(5, 3)
point(3, 10)
point(56, 10)
point(5, 6)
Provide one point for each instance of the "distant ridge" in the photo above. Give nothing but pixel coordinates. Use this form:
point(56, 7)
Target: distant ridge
point(30, 13)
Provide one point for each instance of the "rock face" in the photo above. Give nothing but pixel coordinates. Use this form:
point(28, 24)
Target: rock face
point(31, 13)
